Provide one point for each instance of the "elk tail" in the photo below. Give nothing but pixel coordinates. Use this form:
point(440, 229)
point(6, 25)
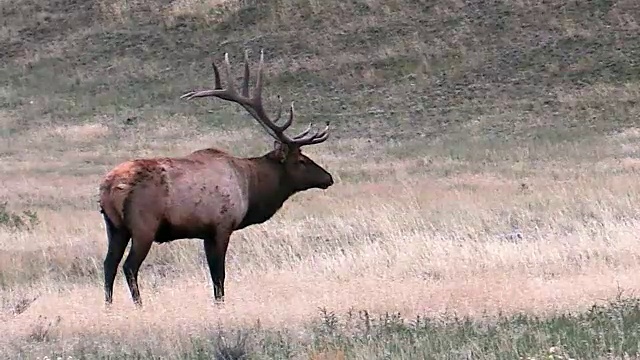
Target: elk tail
point(106, 218)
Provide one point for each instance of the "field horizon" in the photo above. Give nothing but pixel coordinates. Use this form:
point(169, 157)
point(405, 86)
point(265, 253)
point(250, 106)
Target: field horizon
point(486, 162)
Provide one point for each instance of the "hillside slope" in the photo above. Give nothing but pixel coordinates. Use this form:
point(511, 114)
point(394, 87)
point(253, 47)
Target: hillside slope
point(380, 68)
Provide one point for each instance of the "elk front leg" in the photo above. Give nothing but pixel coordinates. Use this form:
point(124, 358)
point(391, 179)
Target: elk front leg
point(216, 249)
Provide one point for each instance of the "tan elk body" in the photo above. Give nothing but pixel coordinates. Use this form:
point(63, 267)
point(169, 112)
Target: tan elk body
point(207, 194)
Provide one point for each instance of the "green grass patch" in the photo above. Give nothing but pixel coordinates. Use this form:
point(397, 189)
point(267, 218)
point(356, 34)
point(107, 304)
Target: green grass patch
point(609, 330)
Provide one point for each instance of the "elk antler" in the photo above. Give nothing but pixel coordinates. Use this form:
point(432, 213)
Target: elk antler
point(254, 105)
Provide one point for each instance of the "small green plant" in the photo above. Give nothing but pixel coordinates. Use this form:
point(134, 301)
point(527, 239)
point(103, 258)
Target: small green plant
point(26, 220)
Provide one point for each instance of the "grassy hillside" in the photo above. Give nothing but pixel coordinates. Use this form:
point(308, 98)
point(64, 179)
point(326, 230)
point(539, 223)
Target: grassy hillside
point(486, 157)
point(388, 68)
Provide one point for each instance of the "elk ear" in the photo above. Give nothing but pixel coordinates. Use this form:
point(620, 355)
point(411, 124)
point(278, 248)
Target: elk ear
point(280, 151)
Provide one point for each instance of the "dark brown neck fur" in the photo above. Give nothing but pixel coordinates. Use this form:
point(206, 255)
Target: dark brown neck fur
point(268, 189)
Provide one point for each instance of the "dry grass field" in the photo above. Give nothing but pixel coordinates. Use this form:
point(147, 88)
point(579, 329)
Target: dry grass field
point(486, 160)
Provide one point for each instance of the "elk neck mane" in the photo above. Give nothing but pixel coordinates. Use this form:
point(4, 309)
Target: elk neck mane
point(268, 188)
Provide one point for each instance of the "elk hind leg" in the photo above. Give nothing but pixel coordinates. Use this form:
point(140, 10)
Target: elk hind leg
point(215, 250)
point(118, 239)
point(140, 246)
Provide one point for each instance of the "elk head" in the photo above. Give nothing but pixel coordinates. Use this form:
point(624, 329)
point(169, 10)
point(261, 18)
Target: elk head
point(299, 170)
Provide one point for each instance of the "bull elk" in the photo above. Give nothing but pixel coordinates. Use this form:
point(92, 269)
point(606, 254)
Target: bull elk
point(207, 194)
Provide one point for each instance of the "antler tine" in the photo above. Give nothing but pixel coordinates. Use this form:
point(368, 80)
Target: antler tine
point(306, 138)
point(216, 76)
point(257, 92)
point(245, 82)
point(230, 89)
point(257, 104)
point(303, 133)
point(289, 121)
point(320, 137)
point(228, 94)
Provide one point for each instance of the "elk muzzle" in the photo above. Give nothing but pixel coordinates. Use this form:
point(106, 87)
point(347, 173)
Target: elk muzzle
point(328, 182)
